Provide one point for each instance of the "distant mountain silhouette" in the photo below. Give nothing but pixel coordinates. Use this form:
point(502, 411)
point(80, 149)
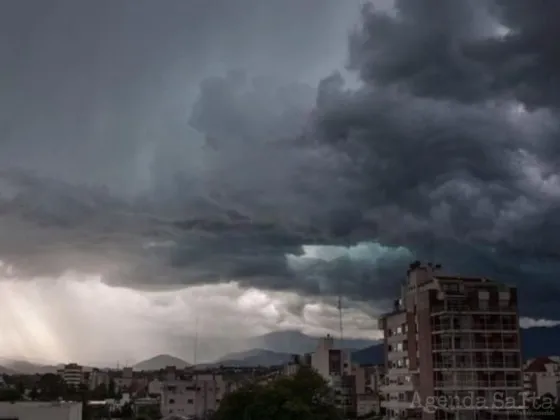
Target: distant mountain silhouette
point(6, 371)
point(161, 361)
point(296, 342)
point(27, 368)
point(255, 357)
point(277, 348)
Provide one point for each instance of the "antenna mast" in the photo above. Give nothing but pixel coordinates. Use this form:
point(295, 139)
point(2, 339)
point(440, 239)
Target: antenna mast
point(340, 321)
point(195, 348)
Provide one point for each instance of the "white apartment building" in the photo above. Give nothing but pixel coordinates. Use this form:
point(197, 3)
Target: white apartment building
point(155, 387)
point(41, 411)
point(335, 366)
point(541, 376)
point(329, 361)
point(72, 374)
point(97, 378)
point(198, 396)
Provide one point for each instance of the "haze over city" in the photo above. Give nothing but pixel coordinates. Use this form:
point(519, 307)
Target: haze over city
point(226, 169)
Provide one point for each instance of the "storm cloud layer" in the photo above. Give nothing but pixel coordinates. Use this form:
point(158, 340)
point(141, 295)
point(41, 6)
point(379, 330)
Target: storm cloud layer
point(207, 151)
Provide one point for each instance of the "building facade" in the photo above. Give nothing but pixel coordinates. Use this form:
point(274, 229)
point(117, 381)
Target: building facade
point(197, 396)
point(541, 377)
point(452, 348)
point(330, 361)
point(97, 378)
point(72, 374)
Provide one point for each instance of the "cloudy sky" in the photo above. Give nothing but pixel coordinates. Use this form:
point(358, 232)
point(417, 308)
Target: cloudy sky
point(230, 167)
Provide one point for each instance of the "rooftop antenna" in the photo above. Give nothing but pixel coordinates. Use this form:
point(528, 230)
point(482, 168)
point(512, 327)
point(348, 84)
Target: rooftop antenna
point(340, 320)
point(195, 342)
point(341, 342)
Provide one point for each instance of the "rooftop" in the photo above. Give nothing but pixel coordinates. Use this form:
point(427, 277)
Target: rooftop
point(539, 365)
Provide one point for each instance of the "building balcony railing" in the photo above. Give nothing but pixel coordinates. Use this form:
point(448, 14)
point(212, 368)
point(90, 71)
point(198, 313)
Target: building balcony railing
point(469, 308)
point(498, 326)
point(478, 384)
point(474, 365)
point(470, 345)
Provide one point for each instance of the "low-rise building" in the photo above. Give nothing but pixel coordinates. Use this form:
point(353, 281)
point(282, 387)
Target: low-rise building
point(155, 387)
point(198, 395)
point(41, 410)
point(97, 378)
point(541, 376)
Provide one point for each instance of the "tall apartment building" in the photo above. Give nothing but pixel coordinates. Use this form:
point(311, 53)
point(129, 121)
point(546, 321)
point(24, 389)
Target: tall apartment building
point(72, 374)
point(335, 366)
point(452, 349)
point(329, 361)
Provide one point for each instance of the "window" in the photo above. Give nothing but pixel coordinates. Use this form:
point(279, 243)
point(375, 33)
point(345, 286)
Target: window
point(171, 401)
point(189, 401)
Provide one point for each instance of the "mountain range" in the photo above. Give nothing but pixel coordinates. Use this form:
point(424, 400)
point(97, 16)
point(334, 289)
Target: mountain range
point(161, 361)
point(278, 347)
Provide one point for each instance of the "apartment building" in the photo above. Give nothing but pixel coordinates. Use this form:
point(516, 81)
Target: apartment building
point(334, 365)
point(541, 377)
point(329, 361)
point(368, 380)
point(72, 374)
point(197, 396)
point(97, 378)
point(452, 348)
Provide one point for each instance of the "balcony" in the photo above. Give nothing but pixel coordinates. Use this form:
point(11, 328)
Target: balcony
point(473, 326)
point(476, 365)
point(401, 386)
point(474, 345)
point(463, 307)
point(497, 384)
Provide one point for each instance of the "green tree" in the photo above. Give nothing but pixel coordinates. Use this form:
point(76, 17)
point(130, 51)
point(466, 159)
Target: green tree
point(51, 387)
point(111, 391)
point(304, 396)
point(10, 395)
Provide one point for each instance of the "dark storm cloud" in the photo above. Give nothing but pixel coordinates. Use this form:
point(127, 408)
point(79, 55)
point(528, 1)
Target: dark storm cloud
point(454, 174)
point(427, 157)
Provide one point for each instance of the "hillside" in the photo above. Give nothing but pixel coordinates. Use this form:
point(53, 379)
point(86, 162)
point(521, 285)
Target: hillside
point(255, 357)
point(296, 342)
point(26, 367)
point(161, 362)
point(6, 371)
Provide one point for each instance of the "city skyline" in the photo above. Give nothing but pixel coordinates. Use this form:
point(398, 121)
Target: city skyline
point(244, 166)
